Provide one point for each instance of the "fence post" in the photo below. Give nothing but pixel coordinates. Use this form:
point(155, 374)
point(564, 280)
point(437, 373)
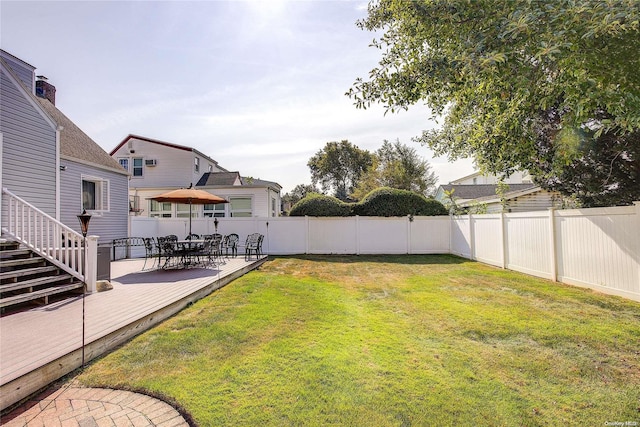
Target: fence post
point(552, 237)
point(472, 240)
point(306, 235)
point(357, 235)
point(503, 241)
point(91, 272)
point(637, 205)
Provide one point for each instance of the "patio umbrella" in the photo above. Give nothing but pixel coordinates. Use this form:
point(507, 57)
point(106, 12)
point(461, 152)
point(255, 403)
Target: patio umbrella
point(189, 196)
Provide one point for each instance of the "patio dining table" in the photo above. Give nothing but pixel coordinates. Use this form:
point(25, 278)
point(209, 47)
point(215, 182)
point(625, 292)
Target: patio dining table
point(189, 252)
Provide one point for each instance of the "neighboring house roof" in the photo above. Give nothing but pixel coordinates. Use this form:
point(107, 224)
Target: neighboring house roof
point(464, 178)
point(474, 192)
point(519, 191)
point(219, 178)
point(77, 145)
point(226, 179)
point(255, 182)
point(166, 144)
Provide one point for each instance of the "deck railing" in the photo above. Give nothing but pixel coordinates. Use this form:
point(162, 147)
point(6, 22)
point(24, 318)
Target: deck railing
point(50, 238)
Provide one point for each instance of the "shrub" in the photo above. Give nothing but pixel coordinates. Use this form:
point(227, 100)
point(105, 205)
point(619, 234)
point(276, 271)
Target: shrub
point(319, 205)
point(393, 202)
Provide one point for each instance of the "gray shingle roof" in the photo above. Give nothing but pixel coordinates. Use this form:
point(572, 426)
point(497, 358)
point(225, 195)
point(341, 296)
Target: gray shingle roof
point(76, 144)
point(229, 178)
point(476, 191)
point(218, 178)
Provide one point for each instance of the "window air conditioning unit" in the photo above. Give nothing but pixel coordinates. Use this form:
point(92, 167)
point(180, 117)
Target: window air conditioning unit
point(150, 162)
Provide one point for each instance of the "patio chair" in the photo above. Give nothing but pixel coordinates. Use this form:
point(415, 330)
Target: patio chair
point(230, 243)
point(151, 251)
point(168, 250)
point(216, 247)
point(192, 236)
point(253, 245)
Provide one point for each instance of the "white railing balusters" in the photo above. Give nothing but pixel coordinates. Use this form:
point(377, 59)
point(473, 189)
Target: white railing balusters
point(54, 241)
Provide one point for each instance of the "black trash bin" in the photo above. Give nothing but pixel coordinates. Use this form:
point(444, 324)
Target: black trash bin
point(104, 263)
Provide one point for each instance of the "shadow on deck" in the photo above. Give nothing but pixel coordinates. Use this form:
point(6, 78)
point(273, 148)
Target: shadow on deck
point(40, 345)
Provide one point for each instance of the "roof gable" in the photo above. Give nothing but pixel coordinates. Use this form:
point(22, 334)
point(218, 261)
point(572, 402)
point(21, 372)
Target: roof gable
point(75, 144)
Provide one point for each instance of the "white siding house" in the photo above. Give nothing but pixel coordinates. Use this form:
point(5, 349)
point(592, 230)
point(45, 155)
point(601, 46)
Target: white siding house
point(29, 138)
point(479, 189)
point(52, 164)
point(158, 166)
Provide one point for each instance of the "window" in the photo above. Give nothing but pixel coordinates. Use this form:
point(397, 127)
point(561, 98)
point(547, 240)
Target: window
point(137, 167)
point(124, 163)
point(95, 194)
point(182, 211)
point(240, 207)
point(273, 206)
point(210, 168)
point(159, 210)
point(217, 210)
point(196, 164)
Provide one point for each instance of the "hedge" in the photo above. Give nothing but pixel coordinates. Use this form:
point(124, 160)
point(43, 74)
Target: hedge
point(380, 202)
point(319, 205)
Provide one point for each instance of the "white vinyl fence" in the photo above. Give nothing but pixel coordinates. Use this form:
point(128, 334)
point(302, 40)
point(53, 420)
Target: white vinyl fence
point(596, 248)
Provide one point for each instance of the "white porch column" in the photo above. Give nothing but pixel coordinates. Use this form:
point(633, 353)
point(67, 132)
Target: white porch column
point(91, 257)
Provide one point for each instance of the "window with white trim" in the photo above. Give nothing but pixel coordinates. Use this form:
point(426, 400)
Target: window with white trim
point(159, 209)
point(217, 210)
point(124, 162)
point(138, 166)
point(95, 194)
point(196, 164)
point(182, 211)
point(240, 207)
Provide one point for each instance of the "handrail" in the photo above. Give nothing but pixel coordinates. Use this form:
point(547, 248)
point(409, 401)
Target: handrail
point(45, 235)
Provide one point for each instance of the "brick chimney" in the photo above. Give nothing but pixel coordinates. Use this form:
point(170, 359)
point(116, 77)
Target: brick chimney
point(45, 90)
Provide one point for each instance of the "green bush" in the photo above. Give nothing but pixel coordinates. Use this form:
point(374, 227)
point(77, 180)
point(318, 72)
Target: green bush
point(393, 202)
point(319, 205)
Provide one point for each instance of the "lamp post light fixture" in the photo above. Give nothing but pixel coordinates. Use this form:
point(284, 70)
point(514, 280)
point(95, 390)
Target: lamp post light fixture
point(215, 224)
point(84, 219)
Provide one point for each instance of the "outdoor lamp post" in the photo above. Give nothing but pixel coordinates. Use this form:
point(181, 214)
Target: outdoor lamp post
point(84, 219)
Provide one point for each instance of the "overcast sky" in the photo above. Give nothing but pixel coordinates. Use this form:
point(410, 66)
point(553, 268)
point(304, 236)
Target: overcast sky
point(258, 86)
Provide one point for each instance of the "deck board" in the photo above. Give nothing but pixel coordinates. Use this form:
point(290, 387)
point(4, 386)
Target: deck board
point(33, 338)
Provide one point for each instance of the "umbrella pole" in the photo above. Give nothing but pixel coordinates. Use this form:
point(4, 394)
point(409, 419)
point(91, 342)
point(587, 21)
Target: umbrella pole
point(189, 219)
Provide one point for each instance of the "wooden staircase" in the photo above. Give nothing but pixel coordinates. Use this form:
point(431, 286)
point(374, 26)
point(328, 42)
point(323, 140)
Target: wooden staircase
point(26, 278)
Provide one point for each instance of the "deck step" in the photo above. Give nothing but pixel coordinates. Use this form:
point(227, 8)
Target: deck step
point(19, 262)
point(42, 293)
point(27, 272)
point(12, 253)
point(32, 283)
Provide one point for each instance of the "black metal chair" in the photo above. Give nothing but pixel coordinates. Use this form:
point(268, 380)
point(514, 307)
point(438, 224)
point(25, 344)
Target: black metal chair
point(230, 243)
point(253, 246)
point(168, 249)
point(152, 250)
point(192, 236)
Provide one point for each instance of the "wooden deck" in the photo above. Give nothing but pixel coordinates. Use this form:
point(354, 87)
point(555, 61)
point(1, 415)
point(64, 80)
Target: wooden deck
point(40, 345)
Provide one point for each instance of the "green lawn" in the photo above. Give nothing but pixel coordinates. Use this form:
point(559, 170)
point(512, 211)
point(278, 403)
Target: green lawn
point(390, 341)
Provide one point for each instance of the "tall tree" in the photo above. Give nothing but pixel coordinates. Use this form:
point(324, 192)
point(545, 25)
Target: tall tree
point(299, 192)
point(596, 170)
point(489, 67)
point(338, 167)
point(397, 165)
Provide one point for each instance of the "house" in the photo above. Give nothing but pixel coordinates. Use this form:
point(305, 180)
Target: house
point(51, 163)
point(158, 166)
point(480, 191)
